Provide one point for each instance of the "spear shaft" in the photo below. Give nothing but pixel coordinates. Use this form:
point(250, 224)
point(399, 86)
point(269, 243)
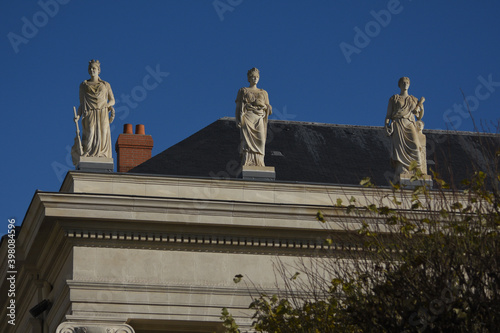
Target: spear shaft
point(80, 147)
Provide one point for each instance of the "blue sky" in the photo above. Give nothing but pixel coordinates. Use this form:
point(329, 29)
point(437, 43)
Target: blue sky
point(176, 66)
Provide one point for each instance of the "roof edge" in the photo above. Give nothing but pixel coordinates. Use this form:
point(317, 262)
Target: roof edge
point(437, 131)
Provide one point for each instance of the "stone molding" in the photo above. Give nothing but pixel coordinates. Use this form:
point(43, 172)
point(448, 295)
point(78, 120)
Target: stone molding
point(200, 242)
point(212, 188)
point(82, 327)
point(171, 288)
point(237, 191)
point(188, 289)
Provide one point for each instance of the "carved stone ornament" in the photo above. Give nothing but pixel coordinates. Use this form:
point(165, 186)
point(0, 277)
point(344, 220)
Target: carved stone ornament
point(79, 327)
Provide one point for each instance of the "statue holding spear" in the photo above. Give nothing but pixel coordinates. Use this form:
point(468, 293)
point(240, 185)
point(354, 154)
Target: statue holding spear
point(96, 104)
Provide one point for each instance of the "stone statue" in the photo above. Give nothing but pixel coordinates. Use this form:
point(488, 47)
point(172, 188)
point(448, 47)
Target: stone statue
point(97, 112)
point(408, 142)
point(252, 112)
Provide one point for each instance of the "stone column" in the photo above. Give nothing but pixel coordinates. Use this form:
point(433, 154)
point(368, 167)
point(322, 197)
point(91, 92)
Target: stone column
point(84, 327)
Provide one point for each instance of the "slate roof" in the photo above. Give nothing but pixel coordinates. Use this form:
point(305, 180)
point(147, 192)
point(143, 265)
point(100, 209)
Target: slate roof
point(320, 153)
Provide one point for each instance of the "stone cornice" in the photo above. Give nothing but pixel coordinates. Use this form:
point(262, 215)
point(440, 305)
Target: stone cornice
point(127, 209)
point(237, 190)
point(213, 188)
point(184, 224)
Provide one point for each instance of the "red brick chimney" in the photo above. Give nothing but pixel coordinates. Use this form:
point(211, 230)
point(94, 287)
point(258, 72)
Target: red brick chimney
point(133, 149)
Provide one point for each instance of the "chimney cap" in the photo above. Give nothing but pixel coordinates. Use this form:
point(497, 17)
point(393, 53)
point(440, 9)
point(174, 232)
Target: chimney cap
point(139, 129)
point(127, 129)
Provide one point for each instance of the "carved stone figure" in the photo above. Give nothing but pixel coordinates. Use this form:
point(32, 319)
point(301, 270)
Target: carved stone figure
point(96, 104)
point(252, 112)
point(407, 142)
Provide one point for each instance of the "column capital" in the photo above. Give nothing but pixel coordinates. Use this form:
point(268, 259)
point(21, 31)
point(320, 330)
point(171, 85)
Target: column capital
point(86, 327)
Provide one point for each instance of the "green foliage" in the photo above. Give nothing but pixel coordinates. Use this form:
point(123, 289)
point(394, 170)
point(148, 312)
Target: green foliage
point(275, 314)
point(430, 264)
point(228, 322)
point(447, 276)
point(320, 217)
point(366, 182)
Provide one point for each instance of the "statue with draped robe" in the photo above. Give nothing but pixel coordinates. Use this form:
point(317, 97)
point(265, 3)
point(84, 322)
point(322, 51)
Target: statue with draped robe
point(408, 141)
point(97, 113)
point(252, 112)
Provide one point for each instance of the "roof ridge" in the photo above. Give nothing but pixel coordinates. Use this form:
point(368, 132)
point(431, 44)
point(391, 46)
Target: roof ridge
point(437, 131)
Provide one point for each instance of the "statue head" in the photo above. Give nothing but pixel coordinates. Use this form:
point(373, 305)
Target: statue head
point(94, 64)
point(403, 79)
point(253, 72)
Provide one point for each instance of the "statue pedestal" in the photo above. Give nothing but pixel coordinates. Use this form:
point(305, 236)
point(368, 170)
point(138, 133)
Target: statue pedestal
point(405, 180)
point(258, 173)
point(95, 164)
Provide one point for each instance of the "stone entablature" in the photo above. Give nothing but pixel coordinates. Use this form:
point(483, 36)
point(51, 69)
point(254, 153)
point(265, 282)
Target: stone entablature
point(125, 248)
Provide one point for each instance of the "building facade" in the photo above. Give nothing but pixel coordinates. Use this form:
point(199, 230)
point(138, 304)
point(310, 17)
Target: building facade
point(156, 250)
